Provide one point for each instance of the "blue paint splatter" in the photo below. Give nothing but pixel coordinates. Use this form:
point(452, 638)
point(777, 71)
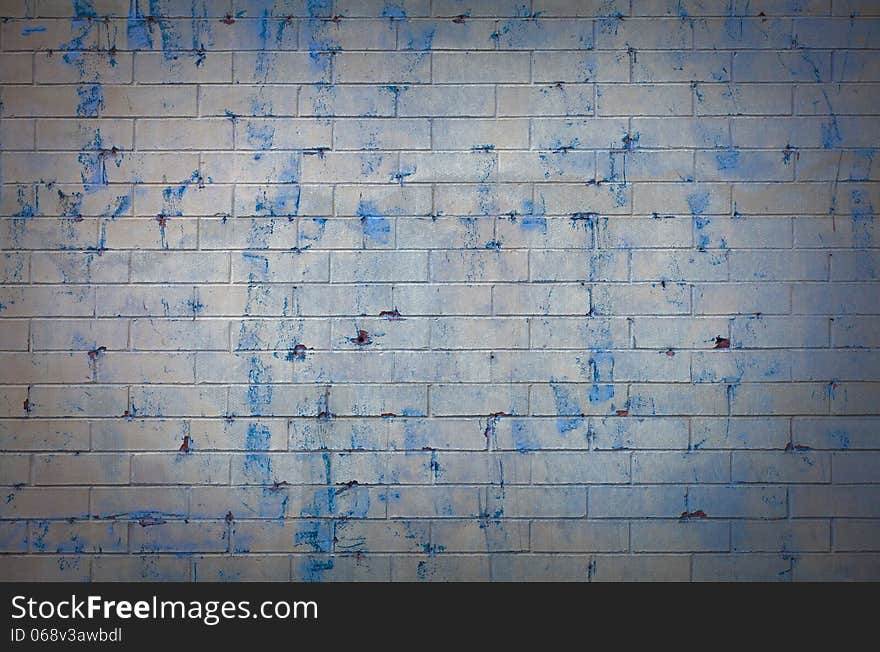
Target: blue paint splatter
point(727, 159)
point(260, 136)
point(94, 162)
point(698, 202)
point(393, 10)
point(524, 438)
point(368, 208)
point(421, 38)
point(172, 196)
point(534, 223)
point(312, 569)
point(319, 8)
point(279, 201)
point(701, 223)
point(83, 8)
point(377, 229)
point(91, 100)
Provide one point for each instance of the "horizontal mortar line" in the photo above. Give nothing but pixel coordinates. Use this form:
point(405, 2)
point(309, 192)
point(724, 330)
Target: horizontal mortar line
point(359, 552)
point(730, 485)
point(405, 85)
point(475, 48)
point(421, 383)
point(868, 284)
point(450, 381)
point(468, 451)
point(512, 217)
point(645, 415)
point(218, 520)
point(463, 451)
point(222, 488)
point(534, 350)
point(399, 418)
point(387, 87)
point(721, 486)
point(448, 17)
point(475, 150)
point(424, 116)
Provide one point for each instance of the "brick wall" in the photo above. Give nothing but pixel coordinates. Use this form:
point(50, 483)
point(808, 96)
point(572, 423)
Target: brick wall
point(439, 289)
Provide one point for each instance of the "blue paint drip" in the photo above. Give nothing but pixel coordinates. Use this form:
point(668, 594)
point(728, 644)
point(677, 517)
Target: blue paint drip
point(319, 8)
point(123, 203)
point(94, 163)
point(830, 129)
point(75, 46)
point(26, 209)
point(138, 31)
point(862, 217)
point(259, 392)
point(171, 44)
point(265, 59)
point(602, 369)
point(319, 43)
point(422, 39)
point(258, 464)
point(289, 172)
point(566, 406)
point(200, 32)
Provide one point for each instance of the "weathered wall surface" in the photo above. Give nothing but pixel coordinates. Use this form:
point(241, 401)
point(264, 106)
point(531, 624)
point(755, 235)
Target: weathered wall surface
point(439, 289)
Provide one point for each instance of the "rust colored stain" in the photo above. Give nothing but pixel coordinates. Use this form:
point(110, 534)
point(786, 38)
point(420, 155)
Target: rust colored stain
point(362, 339)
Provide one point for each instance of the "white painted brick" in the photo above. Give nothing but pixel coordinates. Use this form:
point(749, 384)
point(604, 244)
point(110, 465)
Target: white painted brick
point(439, 290)
point(386, 68)
point(480, 67)
point(580, 67)
point(276, 67)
